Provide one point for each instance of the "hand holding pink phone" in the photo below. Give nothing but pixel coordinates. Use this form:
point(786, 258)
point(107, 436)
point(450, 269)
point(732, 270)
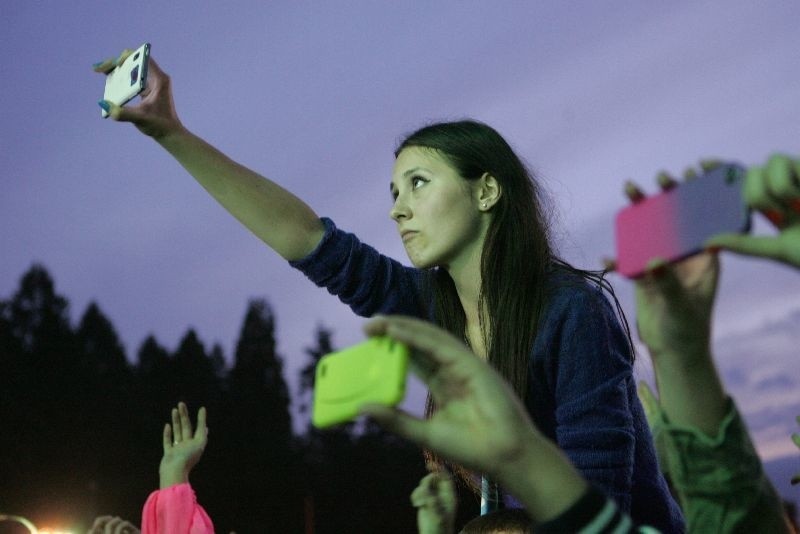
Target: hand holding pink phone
point(675, 224)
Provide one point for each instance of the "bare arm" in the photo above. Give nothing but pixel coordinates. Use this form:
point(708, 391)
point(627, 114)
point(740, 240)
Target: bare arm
point(276, 216)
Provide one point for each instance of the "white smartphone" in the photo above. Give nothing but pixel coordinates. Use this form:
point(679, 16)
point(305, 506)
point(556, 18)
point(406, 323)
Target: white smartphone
point(127, 80)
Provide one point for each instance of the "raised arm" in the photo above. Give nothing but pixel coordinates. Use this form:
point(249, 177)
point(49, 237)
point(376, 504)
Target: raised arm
point(279, 218)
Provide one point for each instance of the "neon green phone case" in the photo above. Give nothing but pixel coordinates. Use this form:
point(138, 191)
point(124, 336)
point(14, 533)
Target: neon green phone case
point(373, 371)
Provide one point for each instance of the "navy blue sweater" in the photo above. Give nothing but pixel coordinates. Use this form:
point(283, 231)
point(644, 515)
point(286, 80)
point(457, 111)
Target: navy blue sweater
point(582, 393)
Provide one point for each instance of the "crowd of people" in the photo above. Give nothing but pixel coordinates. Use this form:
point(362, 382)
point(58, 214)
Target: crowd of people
point(529, 367)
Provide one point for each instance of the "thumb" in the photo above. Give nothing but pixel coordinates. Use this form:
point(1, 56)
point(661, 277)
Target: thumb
point(396, 421)
point(767, 247)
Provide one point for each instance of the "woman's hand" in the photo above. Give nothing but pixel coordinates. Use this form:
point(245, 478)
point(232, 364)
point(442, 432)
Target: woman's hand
point(155, 114)
point(478, 421)
point(182, 447)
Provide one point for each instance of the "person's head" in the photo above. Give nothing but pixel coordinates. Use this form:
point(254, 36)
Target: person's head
point(461, 187)
point(507, 521)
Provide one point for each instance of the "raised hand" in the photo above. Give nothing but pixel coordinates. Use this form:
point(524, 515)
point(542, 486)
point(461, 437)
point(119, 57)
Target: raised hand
point(435, 501)
point(155, 114)
point(182, 446)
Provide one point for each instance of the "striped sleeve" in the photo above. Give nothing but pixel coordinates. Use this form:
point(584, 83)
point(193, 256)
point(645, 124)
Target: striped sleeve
point(594, 513)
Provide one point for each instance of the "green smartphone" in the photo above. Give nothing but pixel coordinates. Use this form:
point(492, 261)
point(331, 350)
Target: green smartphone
point(373, 371)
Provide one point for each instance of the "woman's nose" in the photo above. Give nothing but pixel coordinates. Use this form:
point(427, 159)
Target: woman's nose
point(398, 211)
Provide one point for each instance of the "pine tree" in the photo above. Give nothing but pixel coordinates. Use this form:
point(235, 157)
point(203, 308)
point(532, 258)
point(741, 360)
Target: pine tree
point(256, 460)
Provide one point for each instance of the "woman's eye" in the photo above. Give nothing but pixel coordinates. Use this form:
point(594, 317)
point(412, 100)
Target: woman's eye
point(415, 180)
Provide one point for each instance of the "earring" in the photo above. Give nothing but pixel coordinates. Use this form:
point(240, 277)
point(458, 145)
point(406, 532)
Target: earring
point(484, 205)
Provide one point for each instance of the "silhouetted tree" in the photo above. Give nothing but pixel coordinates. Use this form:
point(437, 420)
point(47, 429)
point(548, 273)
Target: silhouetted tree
point(254, 451)
point(105, 404)
point(41, 405)
point(194, 378)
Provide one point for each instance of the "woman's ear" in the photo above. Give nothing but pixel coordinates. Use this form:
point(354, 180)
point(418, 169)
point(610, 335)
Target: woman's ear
point(488, 191)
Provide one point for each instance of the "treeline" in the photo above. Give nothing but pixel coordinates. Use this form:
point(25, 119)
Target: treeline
point(81, 428)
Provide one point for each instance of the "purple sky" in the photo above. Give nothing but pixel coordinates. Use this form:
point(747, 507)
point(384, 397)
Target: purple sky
point(315, 96)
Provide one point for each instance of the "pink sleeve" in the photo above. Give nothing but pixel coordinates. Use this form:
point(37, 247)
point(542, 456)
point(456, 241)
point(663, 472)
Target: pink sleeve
point(174, 510)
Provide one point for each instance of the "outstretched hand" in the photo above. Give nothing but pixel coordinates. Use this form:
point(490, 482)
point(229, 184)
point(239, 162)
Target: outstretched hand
point(155, 115)
point(774, 190)
point(182, 447)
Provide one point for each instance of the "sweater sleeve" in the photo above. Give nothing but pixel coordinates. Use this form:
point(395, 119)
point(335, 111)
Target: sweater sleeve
point(590, 379)
point(174, 510)
point(362, 277)
point(720, 480)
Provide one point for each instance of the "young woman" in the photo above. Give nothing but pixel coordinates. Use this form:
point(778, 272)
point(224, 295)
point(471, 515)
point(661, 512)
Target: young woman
point(470, 218)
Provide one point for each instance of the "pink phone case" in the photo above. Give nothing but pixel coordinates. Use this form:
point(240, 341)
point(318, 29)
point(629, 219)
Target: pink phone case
point(674, 225)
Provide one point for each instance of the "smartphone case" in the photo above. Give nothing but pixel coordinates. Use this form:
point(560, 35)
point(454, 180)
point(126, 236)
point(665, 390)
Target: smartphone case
point(371, 372)
point(129, 79)
point(674, 224)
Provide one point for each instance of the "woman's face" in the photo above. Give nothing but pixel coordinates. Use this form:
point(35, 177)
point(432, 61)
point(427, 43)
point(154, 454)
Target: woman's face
point(436, 206)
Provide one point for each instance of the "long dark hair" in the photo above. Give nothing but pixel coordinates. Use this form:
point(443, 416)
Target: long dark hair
point(516, 258)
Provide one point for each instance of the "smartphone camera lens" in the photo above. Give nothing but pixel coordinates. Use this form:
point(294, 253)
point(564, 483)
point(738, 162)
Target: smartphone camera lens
point(136, 56)
point(135, 75)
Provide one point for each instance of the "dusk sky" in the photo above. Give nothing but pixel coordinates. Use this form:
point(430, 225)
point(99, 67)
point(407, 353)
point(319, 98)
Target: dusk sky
point(315, 96)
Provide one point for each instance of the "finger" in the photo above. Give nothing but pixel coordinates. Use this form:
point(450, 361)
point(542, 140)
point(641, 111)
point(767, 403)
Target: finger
point(766, 247)
point(633, 192)
point(120, 113)
point(105, 66)
point(783, 184)
point(419, 492)
point(796, 439)
point(186, 421)
point(708, 165)
point(609, 264)
point(99, 524)
point(124, 55)
point(446, 488)
point(177, 436)
point(435, 344)
point(202, 431)
point(665, 181)
point(398, 422)
point(757, 197)
point(689, 174)
point(656, 267)
point(111, 525)
point(167, 437)
point(782, 177)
